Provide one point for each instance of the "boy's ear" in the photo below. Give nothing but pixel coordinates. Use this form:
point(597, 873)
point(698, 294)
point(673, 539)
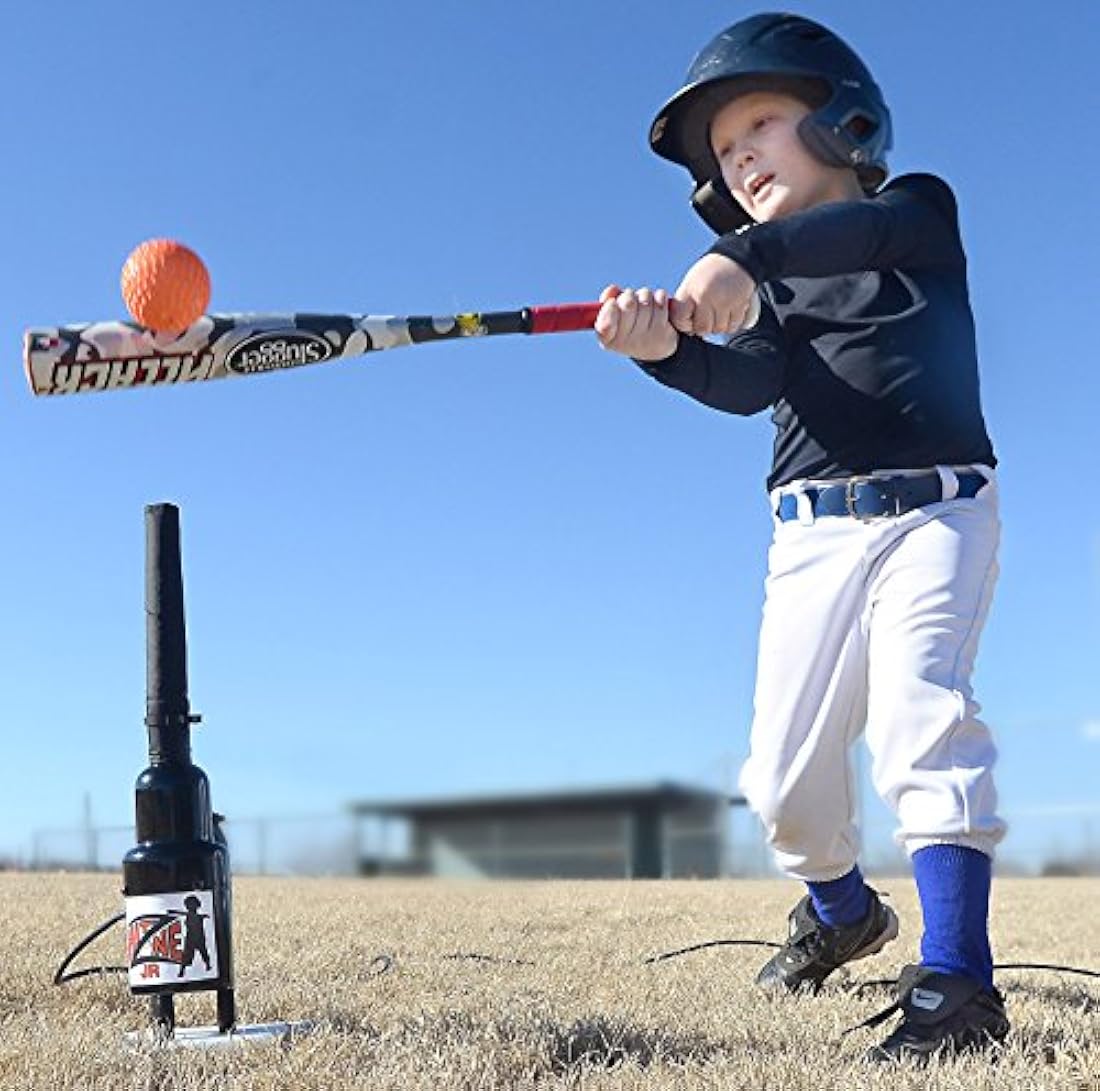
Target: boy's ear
point(717, 207)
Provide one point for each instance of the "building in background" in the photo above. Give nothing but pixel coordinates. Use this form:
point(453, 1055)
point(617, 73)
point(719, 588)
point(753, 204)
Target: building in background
point(655, 831)
point(365, 838)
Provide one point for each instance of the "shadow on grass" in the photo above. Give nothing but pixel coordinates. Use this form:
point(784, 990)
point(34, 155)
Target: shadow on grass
point(606, 1042)
point(1069, 997)
point(511, 1047)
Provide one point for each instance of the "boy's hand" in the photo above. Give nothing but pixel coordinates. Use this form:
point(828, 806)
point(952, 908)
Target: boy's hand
point(714, 297)
point(636, 323)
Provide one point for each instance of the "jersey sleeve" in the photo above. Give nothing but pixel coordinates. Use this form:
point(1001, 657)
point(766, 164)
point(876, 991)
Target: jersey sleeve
point(743, 376)
point(910, 224)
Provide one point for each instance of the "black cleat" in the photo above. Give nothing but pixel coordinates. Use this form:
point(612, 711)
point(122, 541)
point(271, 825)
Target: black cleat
point(814, 949)
point(942, 1015)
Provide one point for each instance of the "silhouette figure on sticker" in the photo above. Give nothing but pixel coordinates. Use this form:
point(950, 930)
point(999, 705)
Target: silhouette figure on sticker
point(194, 936)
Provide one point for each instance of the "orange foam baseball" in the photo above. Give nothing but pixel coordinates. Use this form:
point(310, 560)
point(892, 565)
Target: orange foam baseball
point(165, 285)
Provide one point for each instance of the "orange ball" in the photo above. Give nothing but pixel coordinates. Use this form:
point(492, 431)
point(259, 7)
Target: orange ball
point(165, 285)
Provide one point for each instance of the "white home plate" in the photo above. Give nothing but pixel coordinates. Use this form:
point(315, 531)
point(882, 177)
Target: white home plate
point(212, 1038)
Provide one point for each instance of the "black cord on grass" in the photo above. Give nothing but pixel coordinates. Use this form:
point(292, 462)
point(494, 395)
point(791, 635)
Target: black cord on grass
point(890, 982)
point(381, 964)
point(384, 963)
point(712, 943)
point(378, 965)
point(61, 978)
point(1046, 966)
point(477, 957)
point(882, 983)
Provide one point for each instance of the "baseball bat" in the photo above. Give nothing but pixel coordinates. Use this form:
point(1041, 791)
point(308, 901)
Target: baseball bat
point(119, 355)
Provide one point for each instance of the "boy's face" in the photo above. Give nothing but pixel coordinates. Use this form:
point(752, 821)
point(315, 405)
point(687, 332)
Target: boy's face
point(764, 163)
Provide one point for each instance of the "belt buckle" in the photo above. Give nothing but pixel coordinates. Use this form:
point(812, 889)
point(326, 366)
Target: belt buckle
point(850, 487)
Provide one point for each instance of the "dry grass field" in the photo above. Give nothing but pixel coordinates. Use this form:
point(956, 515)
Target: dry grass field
point(524, 985)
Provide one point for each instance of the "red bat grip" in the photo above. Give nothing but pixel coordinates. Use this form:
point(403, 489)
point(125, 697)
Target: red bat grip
point(564, 317)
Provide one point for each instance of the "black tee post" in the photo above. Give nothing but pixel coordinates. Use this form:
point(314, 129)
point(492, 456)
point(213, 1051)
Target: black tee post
point(176, 879)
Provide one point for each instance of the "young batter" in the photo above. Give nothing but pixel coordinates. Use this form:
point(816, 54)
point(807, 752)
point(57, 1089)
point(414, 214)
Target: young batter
point(882, 489)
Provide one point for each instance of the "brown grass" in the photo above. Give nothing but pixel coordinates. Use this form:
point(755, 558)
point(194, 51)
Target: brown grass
point(566, 1000)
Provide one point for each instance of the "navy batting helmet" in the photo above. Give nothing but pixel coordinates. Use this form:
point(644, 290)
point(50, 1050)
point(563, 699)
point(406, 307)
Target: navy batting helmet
point(848, 124)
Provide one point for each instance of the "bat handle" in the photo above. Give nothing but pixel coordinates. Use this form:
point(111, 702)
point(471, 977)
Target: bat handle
point(564, 317)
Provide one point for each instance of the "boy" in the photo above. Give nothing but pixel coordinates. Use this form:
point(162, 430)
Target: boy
point(883, 494)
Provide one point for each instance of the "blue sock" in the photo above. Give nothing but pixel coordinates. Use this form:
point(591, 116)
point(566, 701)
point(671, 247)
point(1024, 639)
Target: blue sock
point(841, 901)
point(953, 884)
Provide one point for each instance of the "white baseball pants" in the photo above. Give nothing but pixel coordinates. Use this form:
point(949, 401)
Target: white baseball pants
point(874, 626)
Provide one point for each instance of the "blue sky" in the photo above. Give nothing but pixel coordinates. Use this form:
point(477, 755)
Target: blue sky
point(494, 565)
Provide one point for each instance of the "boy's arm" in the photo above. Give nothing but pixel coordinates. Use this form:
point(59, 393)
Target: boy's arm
point(742, 377)
point(911, 224)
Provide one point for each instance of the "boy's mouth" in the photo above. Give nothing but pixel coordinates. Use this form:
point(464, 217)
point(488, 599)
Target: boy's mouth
point(757, 183)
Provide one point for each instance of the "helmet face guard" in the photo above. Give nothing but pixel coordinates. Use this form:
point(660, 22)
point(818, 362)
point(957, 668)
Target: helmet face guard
point(848, 124)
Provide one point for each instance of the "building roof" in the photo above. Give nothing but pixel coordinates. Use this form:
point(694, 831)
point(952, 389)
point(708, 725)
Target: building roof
point(665, 794)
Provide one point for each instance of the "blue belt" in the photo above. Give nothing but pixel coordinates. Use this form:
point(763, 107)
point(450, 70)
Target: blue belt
point(876, 497)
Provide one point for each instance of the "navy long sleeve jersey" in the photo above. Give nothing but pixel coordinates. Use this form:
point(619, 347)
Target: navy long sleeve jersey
point(865, 346)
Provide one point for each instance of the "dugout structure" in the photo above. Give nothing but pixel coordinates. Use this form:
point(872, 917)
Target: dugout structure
point(653, 831)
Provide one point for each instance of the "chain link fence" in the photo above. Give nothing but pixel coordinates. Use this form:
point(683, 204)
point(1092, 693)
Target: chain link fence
point(1058, 839)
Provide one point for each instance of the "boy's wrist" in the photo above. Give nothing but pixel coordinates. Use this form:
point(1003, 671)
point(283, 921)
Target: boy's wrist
point(659, 361)
point(736, 248)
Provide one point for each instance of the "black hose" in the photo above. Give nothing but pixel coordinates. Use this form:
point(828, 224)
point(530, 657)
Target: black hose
point(60, 978)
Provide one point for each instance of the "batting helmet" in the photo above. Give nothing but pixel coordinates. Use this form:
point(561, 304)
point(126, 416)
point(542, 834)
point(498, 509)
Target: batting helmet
point(848, 124)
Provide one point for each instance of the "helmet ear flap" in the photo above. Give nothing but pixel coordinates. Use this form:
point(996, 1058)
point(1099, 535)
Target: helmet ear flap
point(845, 143)
point(717, 207)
